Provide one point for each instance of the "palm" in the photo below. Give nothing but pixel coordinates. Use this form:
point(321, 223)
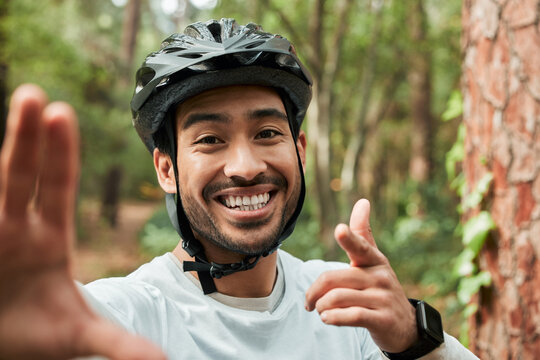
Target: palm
point(42, 314)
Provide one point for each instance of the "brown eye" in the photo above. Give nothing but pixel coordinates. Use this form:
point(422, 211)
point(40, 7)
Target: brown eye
point(267, 134)
point(208, 140)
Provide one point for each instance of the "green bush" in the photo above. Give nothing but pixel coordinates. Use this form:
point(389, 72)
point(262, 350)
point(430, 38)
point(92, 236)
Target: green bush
point(158, 236)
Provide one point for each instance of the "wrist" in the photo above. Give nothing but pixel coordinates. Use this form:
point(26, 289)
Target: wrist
point(429, 333)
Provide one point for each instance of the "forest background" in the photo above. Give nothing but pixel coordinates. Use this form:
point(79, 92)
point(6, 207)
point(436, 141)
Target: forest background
point(383, 123)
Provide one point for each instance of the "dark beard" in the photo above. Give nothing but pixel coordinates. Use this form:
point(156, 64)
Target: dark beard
point(205, 227)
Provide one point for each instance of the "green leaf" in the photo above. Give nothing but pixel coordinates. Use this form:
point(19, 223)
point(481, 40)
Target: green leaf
point(484, 183)
point(475, 231)
point(458, 184)
point(454, 106)
point(477, 195)
point(470, 310)
point(469, 286)
point(471, 200)
point(464, 334)
point(464, 264)
point(456, 154)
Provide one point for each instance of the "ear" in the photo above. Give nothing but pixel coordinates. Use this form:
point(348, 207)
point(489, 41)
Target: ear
point(301, 144)
point(164, 171)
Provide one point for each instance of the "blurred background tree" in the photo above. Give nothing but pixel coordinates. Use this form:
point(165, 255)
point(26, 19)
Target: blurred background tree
point(383, 73)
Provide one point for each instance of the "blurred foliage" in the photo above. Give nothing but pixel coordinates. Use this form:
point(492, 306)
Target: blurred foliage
point(158, 235)
point(60, 46)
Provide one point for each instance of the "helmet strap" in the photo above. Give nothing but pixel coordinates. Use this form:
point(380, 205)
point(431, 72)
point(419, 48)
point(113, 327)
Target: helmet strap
point(189, 243)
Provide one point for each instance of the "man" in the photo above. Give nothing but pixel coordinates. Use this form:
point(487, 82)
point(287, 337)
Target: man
point(220, 108)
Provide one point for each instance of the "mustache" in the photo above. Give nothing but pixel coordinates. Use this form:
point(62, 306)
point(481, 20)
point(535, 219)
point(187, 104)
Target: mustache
point(236, 182)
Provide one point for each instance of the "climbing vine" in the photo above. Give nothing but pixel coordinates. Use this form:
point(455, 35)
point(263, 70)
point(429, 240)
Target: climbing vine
point(475, 231)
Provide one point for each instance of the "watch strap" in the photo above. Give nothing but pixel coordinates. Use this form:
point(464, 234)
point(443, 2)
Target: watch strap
point(430, 333)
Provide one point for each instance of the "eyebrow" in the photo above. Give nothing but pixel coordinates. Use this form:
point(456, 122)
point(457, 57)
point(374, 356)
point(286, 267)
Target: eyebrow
point(267, 112)
point(204, 117)
point(196, 118)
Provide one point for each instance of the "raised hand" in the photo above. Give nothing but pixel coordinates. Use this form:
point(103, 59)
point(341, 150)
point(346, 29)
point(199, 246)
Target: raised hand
point(368, 293)
point(42, 315)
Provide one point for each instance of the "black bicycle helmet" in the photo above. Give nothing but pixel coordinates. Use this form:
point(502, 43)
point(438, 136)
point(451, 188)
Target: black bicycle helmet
point(207, 56)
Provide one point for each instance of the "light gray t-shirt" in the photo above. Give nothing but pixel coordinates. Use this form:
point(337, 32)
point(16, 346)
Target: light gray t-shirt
point(162, 303)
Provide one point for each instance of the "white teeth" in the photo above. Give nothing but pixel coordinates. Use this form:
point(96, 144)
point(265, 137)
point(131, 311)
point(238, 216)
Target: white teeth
point(246, 203)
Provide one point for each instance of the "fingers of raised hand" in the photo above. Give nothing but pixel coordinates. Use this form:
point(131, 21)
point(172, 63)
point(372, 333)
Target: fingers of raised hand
point(104, 338)
point(351, 278)
point(41, 146)
point(351, 316)
point(343, 298)
point(58, 177)
point(19, 160)
point(360, 251)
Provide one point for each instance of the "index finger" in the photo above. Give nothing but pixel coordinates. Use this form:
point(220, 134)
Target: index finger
point(19, 160)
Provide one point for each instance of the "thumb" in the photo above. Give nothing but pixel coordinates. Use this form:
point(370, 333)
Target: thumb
point(359, 221)
point(357, 239)
point(104, 338)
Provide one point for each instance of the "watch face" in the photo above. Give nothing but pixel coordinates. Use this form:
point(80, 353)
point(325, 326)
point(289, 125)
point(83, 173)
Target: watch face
point(430, 321)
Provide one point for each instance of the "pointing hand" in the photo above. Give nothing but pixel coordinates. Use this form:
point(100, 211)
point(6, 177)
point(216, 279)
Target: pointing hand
point(368, 293)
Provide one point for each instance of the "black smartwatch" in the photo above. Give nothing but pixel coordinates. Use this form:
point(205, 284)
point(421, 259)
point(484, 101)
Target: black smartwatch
point(430, 333)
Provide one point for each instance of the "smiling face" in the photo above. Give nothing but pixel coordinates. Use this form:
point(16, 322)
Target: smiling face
point(239, 177)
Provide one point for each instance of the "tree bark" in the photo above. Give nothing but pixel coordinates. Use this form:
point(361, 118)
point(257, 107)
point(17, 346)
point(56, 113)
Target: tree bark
point(419, 77)
point(501, 87)
point(3, 73)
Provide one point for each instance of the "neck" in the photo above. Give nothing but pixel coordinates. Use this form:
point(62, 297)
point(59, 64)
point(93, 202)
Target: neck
point(256, 282)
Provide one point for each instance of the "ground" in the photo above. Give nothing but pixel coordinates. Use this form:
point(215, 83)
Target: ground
point(103, 251)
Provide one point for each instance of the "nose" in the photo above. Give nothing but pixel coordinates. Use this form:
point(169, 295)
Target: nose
point(243, 161)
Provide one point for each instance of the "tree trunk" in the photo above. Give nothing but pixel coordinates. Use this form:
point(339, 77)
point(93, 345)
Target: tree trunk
point(501, 86)
point(3, 72)
point(319, 118)
point(420, 96)
point(318, 126)
point(111, 194)
point(113, 177)
point(130, 28)
point(362, 128)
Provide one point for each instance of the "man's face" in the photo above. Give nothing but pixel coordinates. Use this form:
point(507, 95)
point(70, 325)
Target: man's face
point(239, 177)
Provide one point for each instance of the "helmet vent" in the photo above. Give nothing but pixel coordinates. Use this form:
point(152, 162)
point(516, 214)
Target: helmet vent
point(172, 49)
point(190, 55)
point(215, 30)
point(254, 44)
point(286, 60)
point(144, 76)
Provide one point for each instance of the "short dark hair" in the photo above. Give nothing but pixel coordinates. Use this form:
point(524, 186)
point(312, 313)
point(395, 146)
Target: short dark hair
point(162, 137)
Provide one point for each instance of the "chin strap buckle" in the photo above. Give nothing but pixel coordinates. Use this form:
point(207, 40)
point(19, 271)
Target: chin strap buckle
point(217, 271)
point(209, 271)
